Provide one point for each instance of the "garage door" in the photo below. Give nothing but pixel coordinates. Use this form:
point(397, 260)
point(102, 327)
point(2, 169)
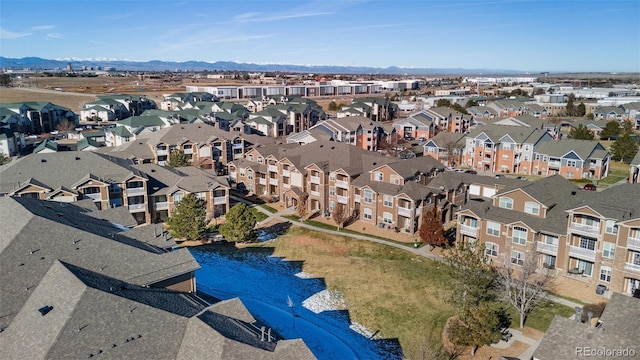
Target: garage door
point(474, 190)
point(488, 192)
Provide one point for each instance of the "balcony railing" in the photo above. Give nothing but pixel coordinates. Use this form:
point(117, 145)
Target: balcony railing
point(135, 191)
point(219, 200)
point(237, 146)
point(273, 181)
point(285, 173)
point(633, 243)
point(406, 212)
point(232, 175)
point(342, 199)
point(356, 198)
point(468, 230)
point(262, 181)
point(547, 248)
point(586, 229)
point(273, 168)
point(582, 252)
point(315, 180)
point(342, 184)
point(94, 196)
point(632, 267)
point(162, 152)
point(314, 193)
point(188, 151)
point(136, 207)
point(163, 205)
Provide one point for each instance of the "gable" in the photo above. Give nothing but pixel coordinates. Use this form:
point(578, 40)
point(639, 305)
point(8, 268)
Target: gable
point(586, 210)
point(571, 155)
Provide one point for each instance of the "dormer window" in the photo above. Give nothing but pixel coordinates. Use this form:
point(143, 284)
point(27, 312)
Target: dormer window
point(506, 203)
point(532, 208)
point(378, 176)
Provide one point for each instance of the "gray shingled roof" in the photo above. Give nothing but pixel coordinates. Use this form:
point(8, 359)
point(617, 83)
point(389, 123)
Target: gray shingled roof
point(620, 329)
point(583, 148)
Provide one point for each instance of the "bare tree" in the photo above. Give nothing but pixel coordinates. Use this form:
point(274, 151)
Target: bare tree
point(301, 207)
point(65, 126)
point(339, 215)
point(524, 284)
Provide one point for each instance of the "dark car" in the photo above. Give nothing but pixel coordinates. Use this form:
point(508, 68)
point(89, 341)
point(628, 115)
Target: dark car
point(471, 172)
point(589, 187)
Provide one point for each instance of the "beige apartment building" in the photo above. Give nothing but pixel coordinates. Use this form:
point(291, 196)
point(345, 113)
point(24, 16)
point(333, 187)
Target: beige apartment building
point(584, 237)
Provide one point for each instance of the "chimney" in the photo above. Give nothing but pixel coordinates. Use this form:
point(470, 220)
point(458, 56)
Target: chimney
point(589, 317)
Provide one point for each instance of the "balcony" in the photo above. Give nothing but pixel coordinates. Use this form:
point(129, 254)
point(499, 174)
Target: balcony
point(160, 152)
point(273, 168)
point(233, 175)
point(633, 243)
point(554, 165)
point(94, 196)
point(585, 229)
point(286, 173)
point(135, 191)
point(262, 181)
point(314, 193)
point(547, 248)
point(632, 267)
point(406, 212)
point(468, 230)
point(136, 207)
point(342, 199)
point(273, 181)
point(342, 184)
point(237, 146)
point(219, 200)
point(188, 151)
point(163, 205)
point(356, 198)
point(315, 179)
point(582, 253)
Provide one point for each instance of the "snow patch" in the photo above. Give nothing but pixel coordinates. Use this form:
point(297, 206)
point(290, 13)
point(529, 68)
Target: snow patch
point(304, 275)
point(324, 300)
point(361, 329)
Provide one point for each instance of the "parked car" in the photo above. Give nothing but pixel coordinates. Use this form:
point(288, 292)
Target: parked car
point(471, 172)
point(589, 187)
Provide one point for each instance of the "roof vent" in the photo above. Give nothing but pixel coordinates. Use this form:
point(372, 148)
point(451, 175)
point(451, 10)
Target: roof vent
point(321, 145)
point(573, 192)
point(43, 160)
point(45, 310)
point(333, 147)
point(77, 157)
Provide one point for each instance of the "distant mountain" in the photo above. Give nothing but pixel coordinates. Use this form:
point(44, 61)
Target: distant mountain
point(37, 63)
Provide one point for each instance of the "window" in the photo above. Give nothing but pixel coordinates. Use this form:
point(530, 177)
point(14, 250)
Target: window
point(608, 250)
point(611, 227)
point(517, 258)
point(396, 180)
point(505, 157)
point(250, 157)
point(260, 159)
point(368, 196)
point(491, 249)
point(532, 208)
point(367, 214)
point(586, 267)
point(115, 188)
point(506, 203)
point(552, 240)
point(571, 163)
point(569, 175)
point(493, 228)
point(586, 243)
point(548, 261)
point(177, 197)
point(635, 258)
point(387, 218)
point(388, 201)
point(332, 205)
point(605, 274)
point(332, 177)
point(242, 172)
point(332, 190)
point(379, 176)
point(250, 175)
point(519, 235)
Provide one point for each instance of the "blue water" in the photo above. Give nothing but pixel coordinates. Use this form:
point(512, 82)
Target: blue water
point(267, 286)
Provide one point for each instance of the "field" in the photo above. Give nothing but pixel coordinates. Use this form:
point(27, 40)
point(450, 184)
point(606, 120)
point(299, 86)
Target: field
point(386, 289)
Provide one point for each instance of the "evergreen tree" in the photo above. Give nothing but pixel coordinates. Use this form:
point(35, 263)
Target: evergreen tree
point(581, 110)
point(581, 132)
point(612, 129)
point(189, 219)
point(570, 108)
point(239, 224)
point(178, 158)
point(443, 103)
point(624, 148)
point(432, 229)
point(476, 327)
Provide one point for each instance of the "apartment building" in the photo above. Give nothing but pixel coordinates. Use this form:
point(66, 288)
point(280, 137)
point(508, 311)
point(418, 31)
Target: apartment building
point(592, 238)
point(447, 119)
point(502, 148)
point(445, 147)
point(572, 159)
point(417, 126)
point(358, 131)
point(34, 116)
point(148, 191)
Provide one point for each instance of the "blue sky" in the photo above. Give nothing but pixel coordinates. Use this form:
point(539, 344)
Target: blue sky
point(526, 35)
